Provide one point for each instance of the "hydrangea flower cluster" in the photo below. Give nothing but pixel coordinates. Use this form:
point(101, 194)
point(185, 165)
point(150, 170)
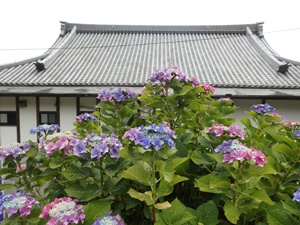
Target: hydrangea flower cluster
point(277, 115)
point(293, 125)
point(117, 94)
point(63, 211)
point(165, 75)
point(109, 220)
point(17, 202)
point(234, 150)
point(103, 144)
point(45, 128)
point(296, 133)
point(226, 99)
point(263, 108)
point(220, 129)
point(86, 117)
point(67, 141)
point(14, 150)
point(208, 88)
point(296, 195)
point(23, 167)
point(153, 135)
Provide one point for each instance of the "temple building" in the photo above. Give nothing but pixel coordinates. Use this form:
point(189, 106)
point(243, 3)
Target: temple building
point(63, 82)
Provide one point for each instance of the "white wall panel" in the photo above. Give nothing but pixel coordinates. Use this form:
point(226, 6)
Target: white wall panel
point(67, 112)
point(28, 119)
point(47, 103)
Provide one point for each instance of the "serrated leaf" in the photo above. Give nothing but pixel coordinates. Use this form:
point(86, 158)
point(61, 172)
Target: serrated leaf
point(137, 173)
point(82, 193)
point(96, 209)
point(262, 196)
point(208, 213)
point(213, 183)
point(231, 212)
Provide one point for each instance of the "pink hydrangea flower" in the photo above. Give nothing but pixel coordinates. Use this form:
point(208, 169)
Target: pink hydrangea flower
point(63, 211)
point(23, 167)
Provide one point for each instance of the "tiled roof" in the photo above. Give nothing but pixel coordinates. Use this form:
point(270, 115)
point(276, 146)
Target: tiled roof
point(233, 56)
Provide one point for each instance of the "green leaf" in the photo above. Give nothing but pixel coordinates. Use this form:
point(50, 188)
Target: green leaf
point(55, 163)
point(208, 213)
point(262, 196)
point(177, 214)
point(166, 170)
point(286, 150)
point(257, 170)
point(6, 187)
point(33, 152)
point(82, 193)
point(200, 158)
point(213, 183)
point(137, 173)
point(164, 188)
point(292, 207)
point(74, 173)
point(277, 215)
point(96, 209)
point(146, 197)
point(4, 171)
point(231, 212)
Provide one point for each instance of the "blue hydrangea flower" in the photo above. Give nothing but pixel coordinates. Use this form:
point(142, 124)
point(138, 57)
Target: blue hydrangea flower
point(296, 195)
point(45, 128)
point(86, 117)
point(109, 220)
point(153, 135)
point(263, 108)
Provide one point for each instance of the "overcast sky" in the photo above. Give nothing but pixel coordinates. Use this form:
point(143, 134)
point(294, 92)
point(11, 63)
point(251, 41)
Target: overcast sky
point(34, 25)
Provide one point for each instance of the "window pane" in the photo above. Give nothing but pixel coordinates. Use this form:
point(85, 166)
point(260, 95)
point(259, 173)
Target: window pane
point(44, 118)
point(52, 118)
point(3, 118)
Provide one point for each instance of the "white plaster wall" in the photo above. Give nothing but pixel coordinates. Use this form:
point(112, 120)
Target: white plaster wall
point(243, 105)
point(7, 104)
point(87, 104)
point(67, 113)
point(28, 119)
point(288, 108)
point(47, 104)
point(8, 134)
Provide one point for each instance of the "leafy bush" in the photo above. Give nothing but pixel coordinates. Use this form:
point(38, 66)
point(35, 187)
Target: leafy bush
point(169, 155)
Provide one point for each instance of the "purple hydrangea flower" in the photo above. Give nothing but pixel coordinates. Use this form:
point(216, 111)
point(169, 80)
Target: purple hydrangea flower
point(108, 219)
point(165, 75)
point(86, 117)
point(103, 144)
point(220, 129)
point(17, 202)
point(79, 149)
point(263, 108)
point(296, 195)
point(14, 150)
point(234, 150)
point(116, 94)
point(296, 133)
point(209, 88)
point(153, 135)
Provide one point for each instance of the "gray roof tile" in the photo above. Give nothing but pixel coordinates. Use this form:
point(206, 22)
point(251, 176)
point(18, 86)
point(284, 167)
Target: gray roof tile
point(105, 55)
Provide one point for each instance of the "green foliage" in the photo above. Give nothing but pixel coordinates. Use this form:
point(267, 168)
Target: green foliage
point(189, 183)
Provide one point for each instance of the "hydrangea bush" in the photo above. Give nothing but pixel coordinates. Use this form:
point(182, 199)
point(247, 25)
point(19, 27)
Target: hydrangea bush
point(169, 155)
